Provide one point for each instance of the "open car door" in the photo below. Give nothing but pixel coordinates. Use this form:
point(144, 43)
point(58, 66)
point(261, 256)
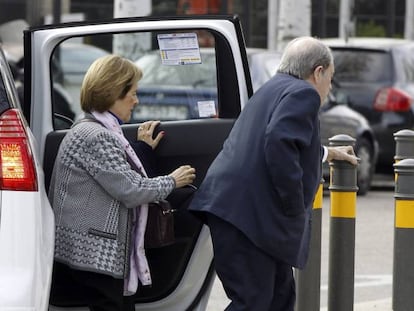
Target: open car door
point(196, 81)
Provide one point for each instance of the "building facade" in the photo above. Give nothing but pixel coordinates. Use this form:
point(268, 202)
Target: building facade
point(370, 17)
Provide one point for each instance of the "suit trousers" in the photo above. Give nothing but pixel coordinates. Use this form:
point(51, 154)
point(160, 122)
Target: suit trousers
point(252, 279)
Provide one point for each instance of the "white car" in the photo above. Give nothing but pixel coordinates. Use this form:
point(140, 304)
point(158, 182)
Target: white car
point(26, 218)
point(30, 135)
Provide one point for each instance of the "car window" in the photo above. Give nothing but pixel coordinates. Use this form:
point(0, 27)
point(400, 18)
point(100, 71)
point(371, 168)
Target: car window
point(362, 66)
point(179, 74)
point(406, 57)
point(177, 92)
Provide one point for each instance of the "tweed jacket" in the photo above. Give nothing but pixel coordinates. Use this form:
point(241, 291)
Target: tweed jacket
point(93, 192)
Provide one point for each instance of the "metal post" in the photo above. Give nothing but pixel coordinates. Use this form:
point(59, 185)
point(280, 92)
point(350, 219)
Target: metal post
point(343, 191)
point(404, 145)
point(308, 281)
point(403, 274)
point(57, 11)
point(409, 20)
point(273, 24)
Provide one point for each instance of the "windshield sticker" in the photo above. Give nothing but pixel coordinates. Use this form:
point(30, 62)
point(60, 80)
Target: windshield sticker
point(207, 109)
point(179, 49)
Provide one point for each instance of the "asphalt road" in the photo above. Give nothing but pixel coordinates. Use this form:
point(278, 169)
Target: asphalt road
point(374, 232)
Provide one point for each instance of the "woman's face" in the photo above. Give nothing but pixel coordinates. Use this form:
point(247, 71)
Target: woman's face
point(123, 107)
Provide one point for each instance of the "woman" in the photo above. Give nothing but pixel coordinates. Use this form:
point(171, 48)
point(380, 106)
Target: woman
point(100, 189)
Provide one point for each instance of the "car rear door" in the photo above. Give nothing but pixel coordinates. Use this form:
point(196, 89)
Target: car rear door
point(182, 273)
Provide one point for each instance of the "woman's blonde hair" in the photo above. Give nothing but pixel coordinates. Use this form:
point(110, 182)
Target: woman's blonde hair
point(108, 78)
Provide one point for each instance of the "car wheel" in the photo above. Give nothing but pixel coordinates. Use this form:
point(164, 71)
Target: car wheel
point(365, 168)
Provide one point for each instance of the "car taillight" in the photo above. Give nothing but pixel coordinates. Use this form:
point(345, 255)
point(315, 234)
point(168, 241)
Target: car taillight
point(392, 99)
point(17, 170)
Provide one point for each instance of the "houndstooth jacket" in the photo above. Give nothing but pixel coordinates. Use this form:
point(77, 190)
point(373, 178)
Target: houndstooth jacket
point(93, 191)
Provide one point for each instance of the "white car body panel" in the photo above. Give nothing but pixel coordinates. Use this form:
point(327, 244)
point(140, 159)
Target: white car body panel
point(26, 237)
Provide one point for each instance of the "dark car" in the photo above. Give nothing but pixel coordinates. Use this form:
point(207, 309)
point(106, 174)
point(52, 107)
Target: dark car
point(336, 117)
point(377, 74)
point(175, 92)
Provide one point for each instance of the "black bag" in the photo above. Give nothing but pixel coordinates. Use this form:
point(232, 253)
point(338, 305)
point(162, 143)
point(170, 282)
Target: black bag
point(160, 225)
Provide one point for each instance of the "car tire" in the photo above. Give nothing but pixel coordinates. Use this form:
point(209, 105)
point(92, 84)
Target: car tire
point(365, 168)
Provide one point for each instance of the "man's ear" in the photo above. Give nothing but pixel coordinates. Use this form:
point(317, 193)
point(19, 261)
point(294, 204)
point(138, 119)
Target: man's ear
point(317, 73)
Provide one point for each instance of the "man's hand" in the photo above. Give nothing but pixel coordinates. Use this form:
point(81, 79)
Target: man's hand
point(345, 153)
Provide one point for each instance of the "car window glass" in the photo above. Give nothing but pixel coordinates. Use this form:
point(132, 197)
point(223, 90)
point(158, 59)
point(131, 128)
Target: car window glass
point(407, 64)
point(168, 90)
point(362, 66)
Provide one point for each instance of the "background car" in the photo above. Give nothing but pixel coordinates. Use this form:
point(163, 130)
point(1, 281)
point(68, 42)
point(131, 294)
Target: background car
point(377, 74)
point(174, 93)
point(336, 117)
point(72, 61)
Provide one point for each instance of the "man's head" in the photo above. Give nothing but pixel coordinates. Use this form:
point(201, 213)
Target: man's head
point(309, 59)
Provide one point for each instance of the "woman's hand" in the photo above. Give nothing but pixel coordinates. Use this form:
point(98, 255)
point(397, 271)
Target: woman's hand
point(146, 133)
point(183, 176)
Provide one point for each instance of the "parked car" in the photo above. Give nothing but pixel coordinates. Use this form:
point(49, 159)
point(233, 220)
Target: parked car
point(69, 66)
point(182, 273)
point(174, 93)
point(377, 74)
point(72, 62)
point(336, 117)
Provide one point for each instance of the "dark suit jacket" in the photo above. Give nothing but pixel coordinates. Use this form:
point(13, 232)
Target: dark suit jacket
point(265, 178)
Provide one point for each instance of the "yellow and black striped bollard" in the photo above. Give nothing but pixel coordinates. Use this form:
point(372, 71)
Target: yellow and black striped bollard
point(403, 274)
point(404, 145)
point(308, 280)
point(343, 189)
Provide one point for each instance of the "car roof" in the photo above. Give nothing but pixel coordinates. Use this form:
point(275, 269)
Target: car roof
point(367, 43)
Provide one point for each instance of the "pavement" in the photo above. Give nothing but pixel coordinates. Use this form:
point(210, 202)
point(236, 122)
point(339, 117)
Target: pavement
point(218, 301)
point(377, 305)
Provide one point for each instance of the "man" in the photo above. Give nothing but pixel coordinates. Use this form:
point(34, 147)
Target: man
point(258, 193)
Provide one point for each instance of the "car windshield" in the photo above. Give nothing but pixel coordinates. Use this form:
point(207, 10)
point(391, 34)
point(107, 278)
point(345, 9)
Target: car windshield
point(362, 66)
point(185, 76)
